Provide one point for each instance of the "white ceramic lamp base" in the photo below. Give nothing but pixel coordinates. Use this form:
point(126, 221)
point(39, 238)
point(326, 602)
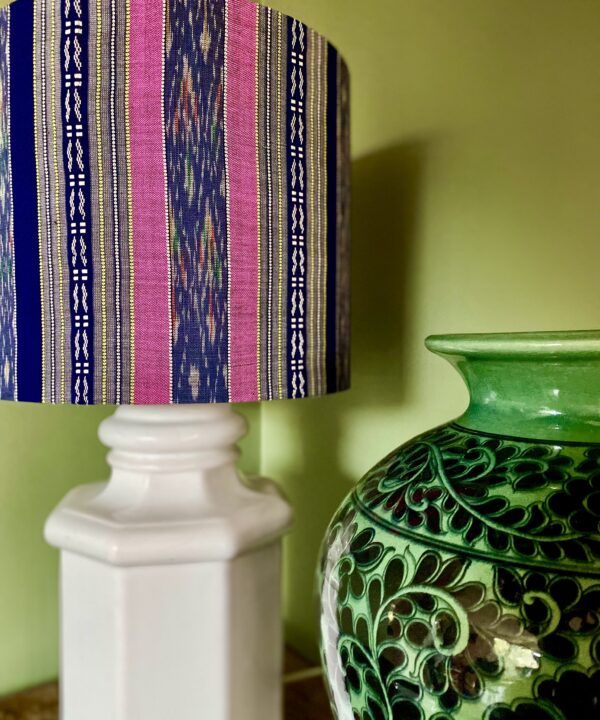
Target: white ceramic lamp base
point(170, 576)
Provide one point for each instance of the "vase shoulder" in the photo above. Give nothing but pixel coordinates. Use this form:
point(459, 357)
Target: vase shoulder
point(526, 502)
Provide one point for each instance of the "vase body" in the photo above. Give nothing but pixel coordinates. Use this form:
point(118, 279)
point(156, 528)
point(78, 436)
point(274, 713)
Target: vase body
point(461, 579)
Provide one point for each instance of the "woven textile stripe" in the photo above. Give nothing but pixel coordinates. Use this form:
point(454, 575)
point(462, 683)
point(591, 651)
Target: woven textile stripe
point(274, 130)
point(333, 218)
point(152, 373)
point(340, 377)
point(174, 204)
point(297, 219)
point(60, 256)
point(25, 205)
point(8, 347)
point(317, 197)
point(110, 216)
point(53, 181)
point(241, 135)
point(196, 172)
point(115, 245)
point(43, 122)
point(76, 157)
point(119, 194)
point(265, 205)
point(99, 214)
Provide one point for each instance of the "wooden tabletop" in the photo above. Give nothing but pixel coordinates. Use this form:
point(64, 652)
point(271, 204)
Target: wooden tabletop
point(304, 700)
point(40, 703)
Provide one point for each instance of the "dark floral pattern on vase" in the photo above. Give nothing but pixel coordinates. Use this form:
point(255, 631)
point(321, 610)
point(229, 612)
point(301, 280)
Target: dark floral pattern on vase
point(553, 608)
point(573, 694)
point(460, 557)
point(426, 630)
point(495, 494)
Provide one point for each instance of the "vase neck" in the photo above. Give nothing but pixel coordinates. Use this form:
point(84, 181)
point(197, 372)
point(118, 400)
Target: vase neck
point(546, 390)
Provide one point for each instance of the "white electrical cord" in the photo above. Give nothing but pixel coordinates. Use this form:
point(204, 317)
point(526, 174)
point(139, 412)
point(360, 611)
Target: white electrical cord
point(302, 675)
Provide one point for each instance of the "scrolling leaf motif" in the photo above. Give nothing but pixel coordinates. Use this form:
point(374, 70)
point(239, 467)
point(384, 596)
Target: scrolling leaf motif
point(453, 482)
point(411, 626)
point(554, 608)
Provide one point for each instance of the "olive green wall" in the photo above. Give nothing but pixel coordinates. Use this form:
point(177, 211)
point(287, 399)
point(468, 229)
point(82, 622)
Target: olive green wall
point(476, 207)
point(45, 452)
point(476, 140)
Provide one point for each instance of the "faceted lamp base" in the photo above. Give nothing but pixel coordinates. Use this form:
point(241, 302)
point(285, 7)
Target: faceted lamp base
point(170, 576)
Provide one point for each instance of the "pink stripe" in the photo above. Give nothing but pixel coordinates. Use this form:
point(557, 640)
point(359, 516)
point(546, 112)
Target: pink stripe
point(243, 206)
point(151, 260)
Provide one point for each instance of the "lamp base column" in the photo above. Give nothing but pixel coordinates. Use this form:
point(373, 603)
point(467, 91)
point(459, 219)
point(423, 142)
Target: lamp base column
point(170, 576)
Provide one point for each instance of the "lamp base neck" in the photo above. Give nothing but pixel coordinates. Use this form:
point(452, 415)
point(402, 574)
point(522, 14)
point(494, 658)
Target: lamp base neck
point(174, 493)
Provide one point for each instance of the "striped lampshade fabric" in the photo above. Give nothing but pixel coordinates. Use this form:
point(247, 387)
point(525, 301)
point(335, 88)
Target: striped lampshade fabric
point(174, 204)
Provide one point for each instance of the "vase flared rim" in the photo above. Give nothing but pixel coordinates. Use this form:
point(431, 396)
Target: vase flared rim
point(569, 343)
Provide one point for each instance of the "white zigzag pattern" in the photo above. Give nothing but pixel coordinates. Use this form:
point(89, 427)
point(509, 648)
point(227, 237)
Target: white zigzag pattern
point(297, 177)
point(77, 226)
point(79, 154)
point(81, 203)
point(78, 105)
point(77, 53)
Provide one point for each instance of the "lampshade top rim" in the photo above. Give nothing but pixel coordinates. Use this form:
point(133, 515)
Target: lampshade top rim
point(309, 27)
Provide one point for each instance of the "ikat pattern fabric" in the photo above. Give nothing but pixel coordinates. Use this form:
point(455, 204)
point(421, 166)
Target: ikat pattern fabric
point(174, 204)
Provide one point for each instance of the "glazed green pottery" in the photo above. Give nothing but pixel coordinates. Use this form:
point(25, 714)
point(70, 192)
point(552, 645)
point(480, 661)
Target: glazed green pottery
point(461, 579)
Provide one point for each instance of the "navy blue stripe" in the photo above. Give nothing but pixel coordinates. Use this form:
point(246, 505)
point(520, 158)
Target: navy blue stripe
point(25, 219)
point(296, 233)
point(196, 153)
point(290, 249)
point(332, 219)
point(84, 261)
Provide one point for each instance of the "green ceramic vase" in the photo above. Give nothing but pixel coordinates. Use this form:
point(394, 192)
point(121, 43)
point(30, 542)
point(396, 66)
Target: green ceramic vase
point(461, 579)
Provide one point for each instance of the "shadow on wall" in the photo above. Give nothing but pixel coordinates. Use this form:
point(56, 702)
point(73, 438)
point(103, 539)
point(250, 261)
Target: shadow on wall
point(386, 212)
point(386, 200)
